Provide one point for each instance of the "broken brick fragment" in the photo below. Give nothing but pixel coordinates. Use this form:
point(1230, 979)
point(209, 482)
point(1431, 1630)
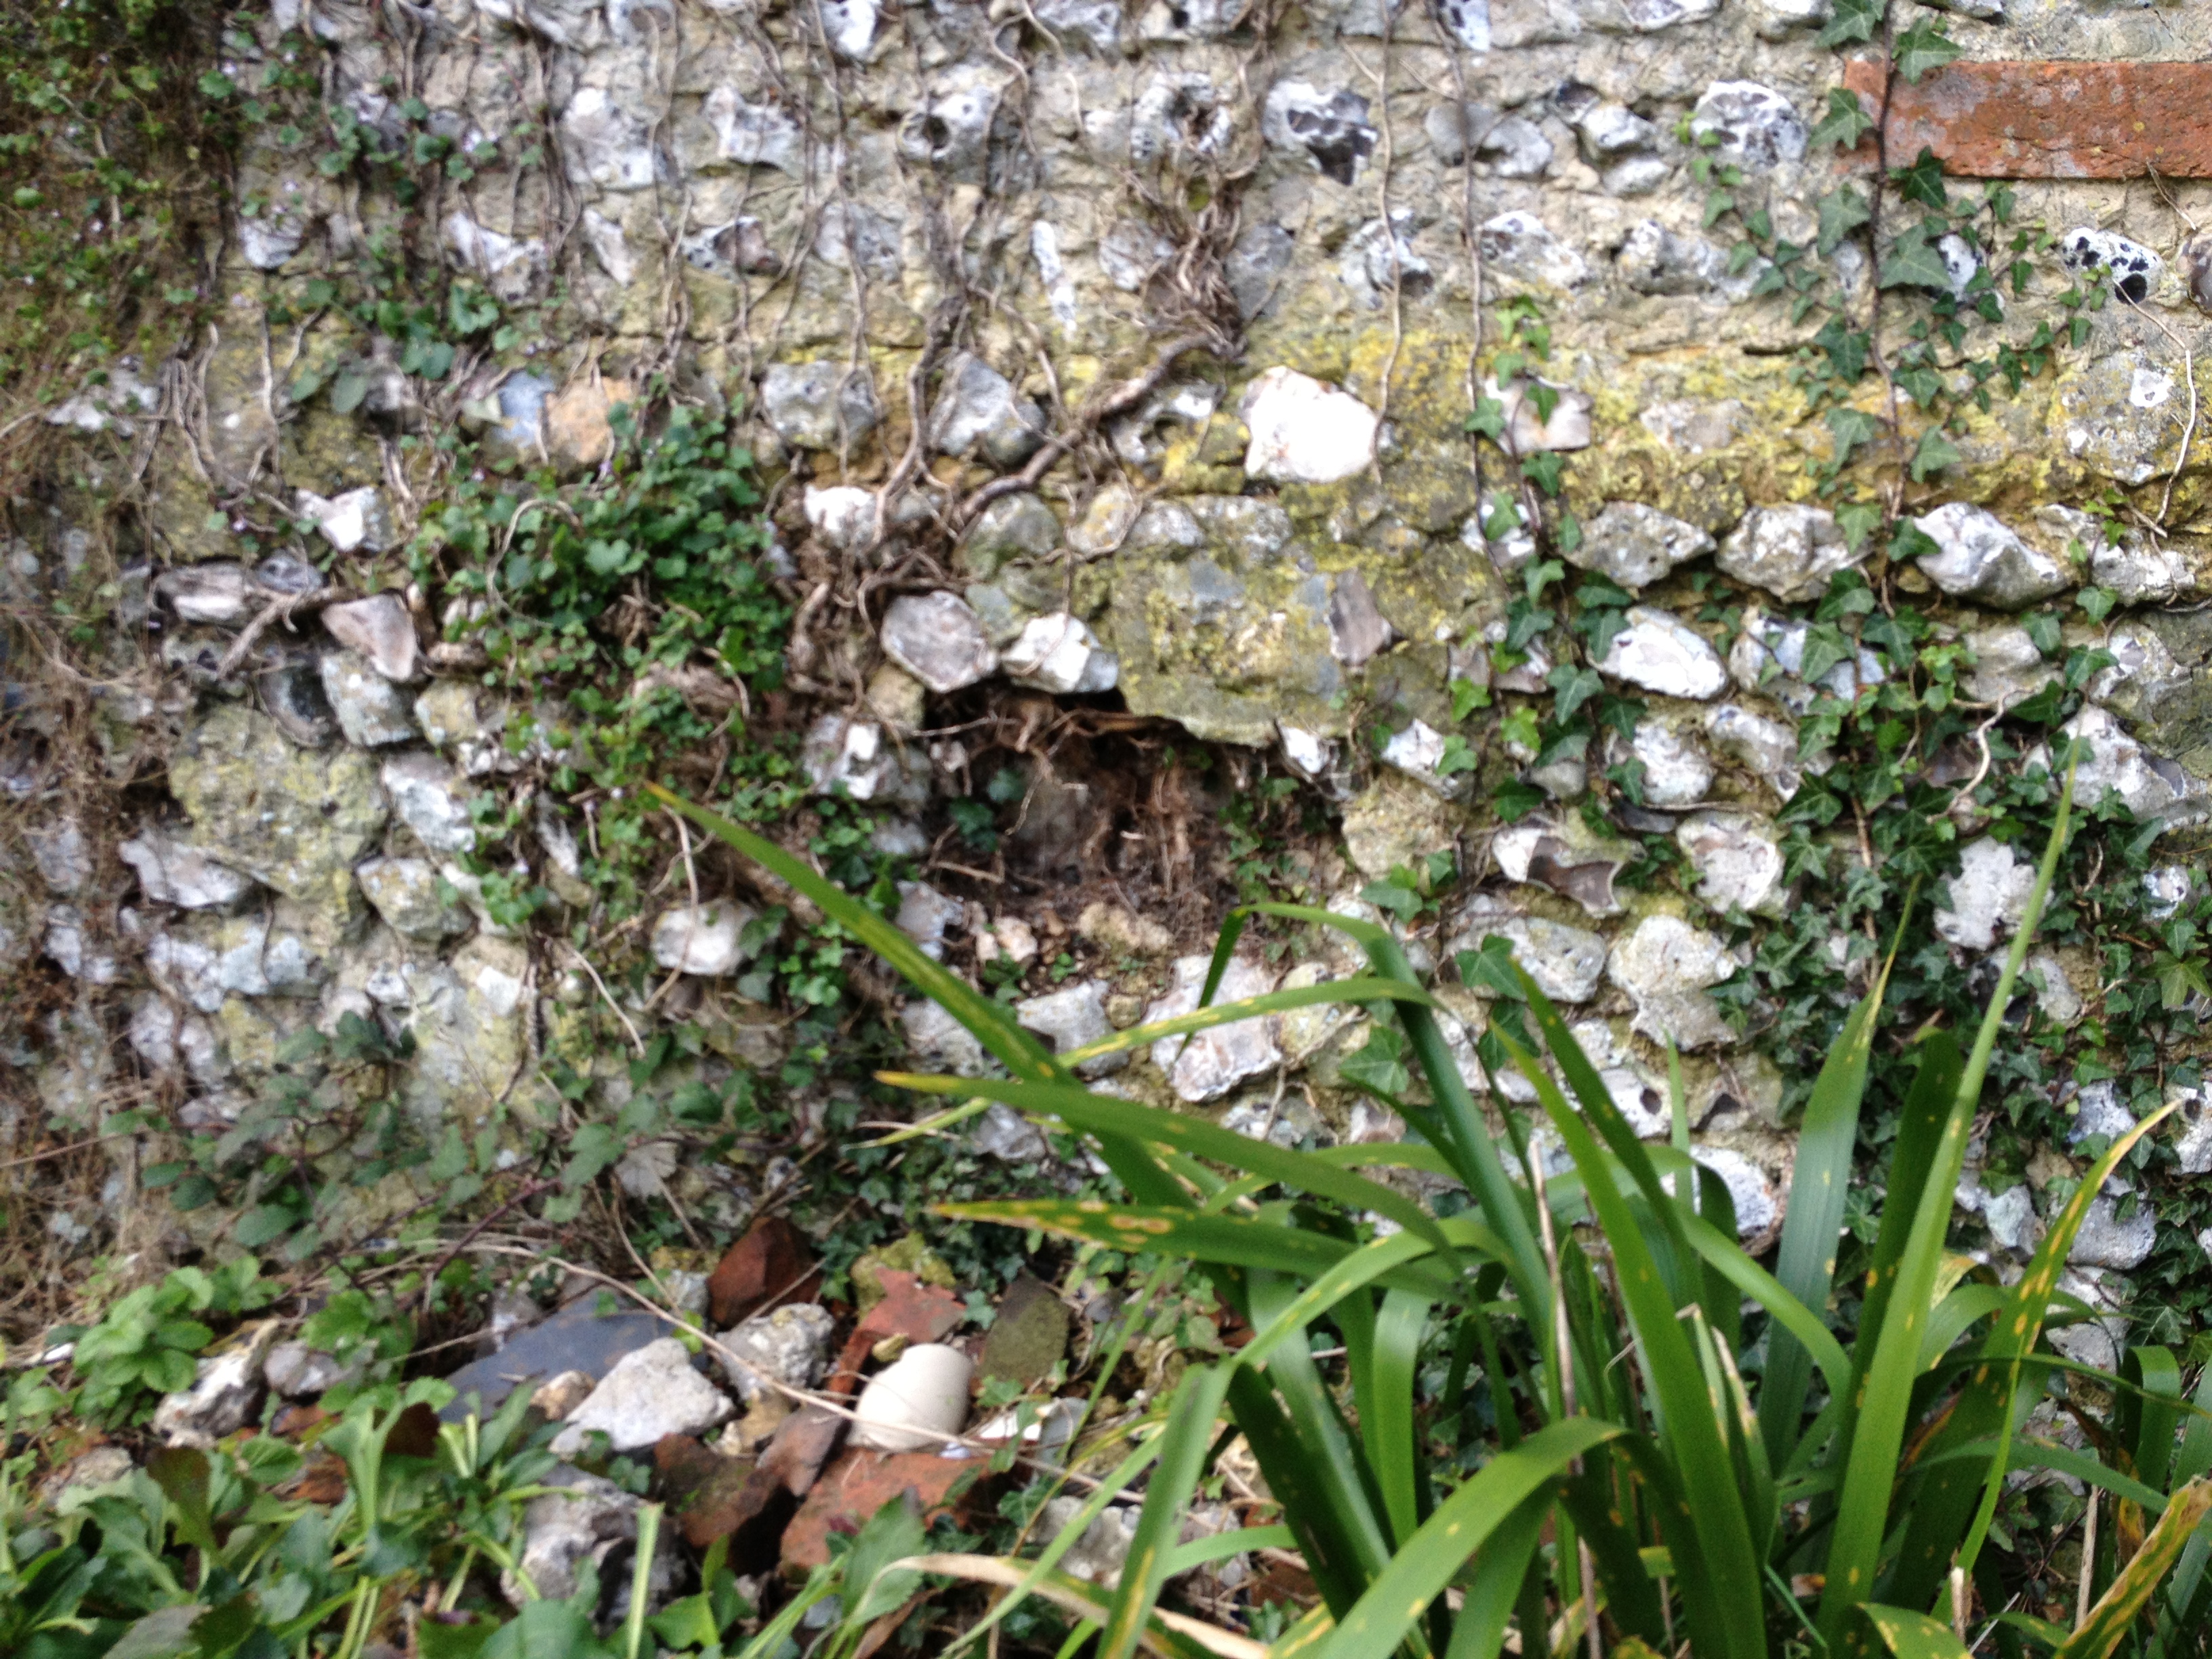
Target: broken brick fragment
point(771, 1265)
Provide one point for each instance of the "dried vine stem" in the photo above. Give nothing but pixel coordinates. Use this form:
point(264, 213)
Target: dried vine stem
point(1119, 401)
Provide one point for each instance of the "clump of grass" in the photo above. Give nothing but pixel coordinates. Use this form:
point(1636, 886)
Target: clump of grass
point(1656, 1474)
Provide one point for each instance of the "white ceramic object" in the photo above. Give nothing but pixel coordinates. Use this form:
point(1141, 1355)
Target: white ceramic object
point(910, 1403)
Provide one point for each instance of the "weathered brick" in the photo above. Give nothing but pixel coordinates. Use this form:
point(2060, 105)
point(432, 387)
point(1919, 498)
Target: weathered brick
point(2048, 120)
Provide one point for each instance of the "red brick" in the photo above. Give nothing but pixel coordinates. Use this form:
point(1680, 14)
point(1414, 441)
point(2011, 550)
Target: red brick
point(771, 1265)
point(2048, 120)
point(859, 1483)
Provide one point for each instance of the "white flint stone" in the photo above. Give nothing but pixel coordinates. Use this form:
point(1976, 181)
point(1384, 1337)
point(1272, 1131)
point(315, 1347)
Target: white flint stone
point(1637, 545)
point(1098, 1556)
point(1418, 752)
point(1987, 897)
point(791, 1344)
point(1758, 1206)
point(940, 1042)
point(2150, 784)
point(978, 412)
point(1061, 654)
point(1666, 966)
point(1790, 550)
point(2055, 995)
point(1073, 1018)
point(1660, 653)
point(1303, 431)
point(2107, 1241)
point(216, 595)
point(1567, 964)
point(2011, 1221)
point(927, 916)
point(916, 1400)
point(62, 855)
point(754, 134)
point(2008, 668)
point(938, 639)
point(226, 1388)
point(1527, 430)
point(1738, 860)
point(858, 758)
point(704, 940)
point(585, 1521)
point(432, 799)
point(2098, 1111)
point(1766, 748)
point(1677, 772)
point(1755, 127)
point(1209, 1064)
point(380, 628)
point(371, 710)
point(1307, 753)
point(1979, 557)
point(351, 521)
point(1521, 245)
point(843, 515)
point(651, 1391)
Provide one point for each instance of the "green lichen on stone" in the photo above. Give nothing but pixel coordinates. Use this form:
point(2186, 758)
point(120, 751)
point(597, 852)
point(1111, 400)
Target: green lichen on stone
point(298, 819)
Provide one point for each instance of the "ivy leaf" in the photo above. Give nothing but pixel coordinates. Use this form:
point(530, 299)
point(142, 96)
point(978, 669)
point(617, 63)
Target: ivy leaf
point(1858, 520)
point(1842, 212)
point(1848, 349)
point(2097, 602)
point(1569, 536)
point(1467, 697)
point(1458, 756)
point(1845, 123)
point(1514, 800)
point(1935, 453)
point(1575, 686)
point(1851, 428)
point(1914, 263)
point(348, 391)
point(1854, 19)
point(1488, 419)
point(1923, 47)
point(1920, 382)
point(1544, 471)
point(1379, 1064)
point(1922, 182)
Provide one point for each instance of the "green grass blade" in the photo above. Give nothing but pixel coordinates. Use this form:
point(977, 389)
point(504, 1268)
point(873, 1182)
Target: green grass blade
point(1362, 988)
point(1220, 1546)
point(1597, 1106)
point(1184, 1447)
point(1911, 1635)
point(2145, 1417)
point(1016, 1049)
point(1199, 1137)
point(2116, 1610)
point(1479, 1632)
point(1806, 1265)
point(1232, 1241)
point(1325, 1446)
point(1467, 1138)
point(1948, 1497)
point(1789, 1315)
point(1298, 1485)
point(1021, 1053)
point(1040, 1569)
point(1862, 1519)
point(1462, 1525)
point(1691, 1432)
point(1956, 1315)
point(1386, 1419)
